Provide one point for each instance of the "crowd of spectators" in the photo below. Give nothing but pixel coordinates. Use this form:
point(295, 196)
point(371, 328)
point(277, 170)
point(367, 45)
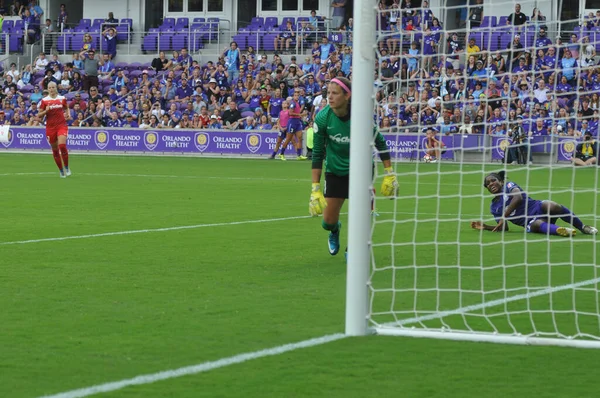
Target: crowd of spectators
point(424, 76)
point(543, 85)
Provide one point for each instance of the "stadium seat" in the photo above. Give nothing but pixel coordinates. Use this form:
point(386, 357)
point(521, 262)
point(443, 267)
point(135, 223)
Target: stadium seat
point(179, 41)
point(270, 22)
point(247, 113)
point(7, 25)
point(241, 40)
point(63, 41)
point(285, 20)
point(150, 42)
point(168, 23)
point(182, 23)
point(502, 21)
point(257, 21)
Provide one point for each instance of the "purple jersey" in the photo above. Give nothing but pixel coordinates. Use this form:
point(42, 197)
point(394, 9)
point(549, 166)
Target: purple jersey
point(528, 211)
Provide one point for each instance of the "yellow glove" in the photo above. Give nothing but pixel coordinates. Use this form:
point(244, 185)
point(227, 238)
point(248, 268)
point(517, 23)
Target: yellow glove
point(317, 201)
point(389, 187)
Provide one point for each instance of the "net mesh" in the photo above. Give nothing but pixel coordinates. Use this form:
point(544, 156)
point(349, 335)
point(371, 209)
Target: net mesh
point(496, 96)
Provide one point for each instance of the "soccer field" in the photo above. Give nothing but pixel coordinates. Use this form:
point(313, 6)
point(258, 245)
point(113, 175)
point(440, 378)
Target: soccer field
point(170, 262)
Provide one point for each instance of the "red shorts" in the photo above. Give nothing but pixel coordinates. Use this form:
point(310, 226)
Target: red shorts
point(52, 134)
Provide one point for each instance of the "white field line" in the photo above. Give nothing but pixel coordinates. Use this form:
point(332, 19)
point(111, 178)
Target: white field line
point(493, 303)
point(208, 366)
point(144, 231)
point(195, 369)
point(196, 226)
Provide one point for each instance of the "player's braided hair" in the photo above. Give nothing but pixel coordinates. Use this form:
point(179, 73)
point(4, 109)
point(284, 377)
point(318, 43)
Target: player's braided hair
point(500, 176)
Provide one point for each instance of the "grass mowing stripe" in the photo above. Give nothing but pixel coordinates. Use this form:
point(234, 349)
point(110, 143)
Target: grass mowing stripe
point(194, 369)
point(493, 303)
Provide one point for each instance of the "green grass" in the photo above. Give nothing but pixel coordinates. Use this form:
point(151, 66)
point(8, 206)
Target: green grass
point(81, 312)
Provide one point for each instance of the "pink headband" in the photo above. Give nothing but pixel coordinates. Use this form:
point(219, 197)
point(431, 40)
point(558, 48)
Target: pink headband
point(341, 84)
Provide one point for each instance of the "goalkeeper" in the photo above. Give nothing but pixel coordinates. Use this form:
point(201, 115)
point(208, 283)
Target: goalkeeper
point(332, 145)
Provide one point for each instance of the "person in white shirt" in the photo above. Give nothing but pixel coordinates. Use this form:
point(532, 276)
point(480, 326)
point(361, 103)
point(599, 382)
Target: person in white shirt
point(541, 92)
point(41, 62)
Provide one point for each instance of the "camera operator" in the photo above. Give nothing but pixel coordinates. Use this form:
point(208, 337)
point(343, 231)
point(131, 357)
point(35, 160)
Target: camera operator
point(586, 152)
point(518, 151)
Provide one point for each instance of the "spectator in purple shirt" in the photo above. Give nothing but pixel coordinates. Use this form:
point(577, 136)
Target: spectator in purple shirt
point(539, 128)
point(185, 92)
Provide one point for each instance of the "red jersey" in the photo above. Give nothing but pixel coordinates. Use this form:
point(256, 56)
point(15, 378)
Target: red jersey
point(55, 118)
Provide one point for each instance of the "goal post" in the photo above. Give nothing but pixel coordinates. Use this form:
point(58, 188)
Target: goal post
point(361, 155)
point(418, 268)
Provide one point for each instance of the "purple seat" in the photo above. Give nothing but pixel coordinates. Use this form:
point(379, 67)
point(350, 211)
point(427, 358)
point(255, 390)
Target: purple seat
point(135, 66)
point(19, 24)
point(285, 20)
point(489, 21)
point(255, 39)
point(243, 106)
point(63, 42)
point(7, 25)
point(199, 19)
point(495, 41)
point(269, 41)
point(168, 23)
point(257, 21)
point(502, 21)
point(183, 22)
point(179, 41)
point(123, 33)
point(505, 40)
point(241, 40)
point(247, 113)
point(270, 22)
point(150, 42)
point(27, 88)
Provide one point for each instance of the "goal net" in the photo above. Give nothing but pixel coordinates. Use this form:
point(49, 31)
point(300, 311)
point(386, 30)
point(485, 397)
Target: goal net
point(509, 90)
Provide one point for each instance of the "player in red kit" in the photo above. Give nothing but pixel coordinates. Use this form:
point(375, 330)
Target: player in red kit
point(54, 107)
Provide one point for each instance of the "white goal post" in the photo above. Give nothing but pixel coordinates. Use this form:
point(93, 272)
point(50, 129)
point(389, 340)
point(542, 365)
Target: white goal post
point(417, 268)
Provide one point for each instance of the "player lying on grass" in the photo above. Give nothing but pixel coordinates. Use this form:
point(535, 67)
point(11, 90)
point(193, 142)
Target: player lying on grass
point(512, 204)
point(332, 131)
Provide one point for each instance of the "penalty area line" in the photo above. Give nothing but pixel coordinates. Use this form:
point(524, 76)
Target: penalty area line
point(195, 369)
point(145, 231)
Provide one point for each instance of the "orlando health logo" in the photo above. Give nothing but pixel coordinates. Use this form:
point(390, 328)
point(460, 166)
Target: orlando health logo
point(151, 140)
point(11, 136)
point(201, 140)
point(253, 142)
point(101, 138)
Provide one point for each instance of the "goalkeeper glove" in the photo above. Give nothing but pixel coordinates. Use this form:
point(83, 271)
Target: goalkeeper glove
point(317, 201)
point(389, 186)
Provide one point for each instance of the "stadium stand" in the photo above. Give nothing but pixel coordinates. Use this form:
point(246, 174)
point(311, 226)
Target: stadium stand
point(499, 85)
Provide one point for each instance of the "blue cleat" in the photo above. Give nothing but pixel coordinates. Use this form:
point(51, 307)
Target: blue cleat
point(334, 241)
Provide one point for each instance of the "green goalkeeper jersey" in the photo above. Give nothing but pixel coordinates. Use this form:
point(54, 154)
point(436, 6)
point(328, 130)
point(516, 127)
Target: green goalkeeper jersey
point(332, 143)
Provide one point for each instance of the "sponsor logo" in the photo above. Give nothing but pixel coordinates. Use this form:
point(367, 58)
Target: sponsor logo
point(501, 147)
point(151, 140)
point(253, 142)
point(101, 139)
point(11, 136)
point(567, 149)
point(340, 139)
point(201, 141)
